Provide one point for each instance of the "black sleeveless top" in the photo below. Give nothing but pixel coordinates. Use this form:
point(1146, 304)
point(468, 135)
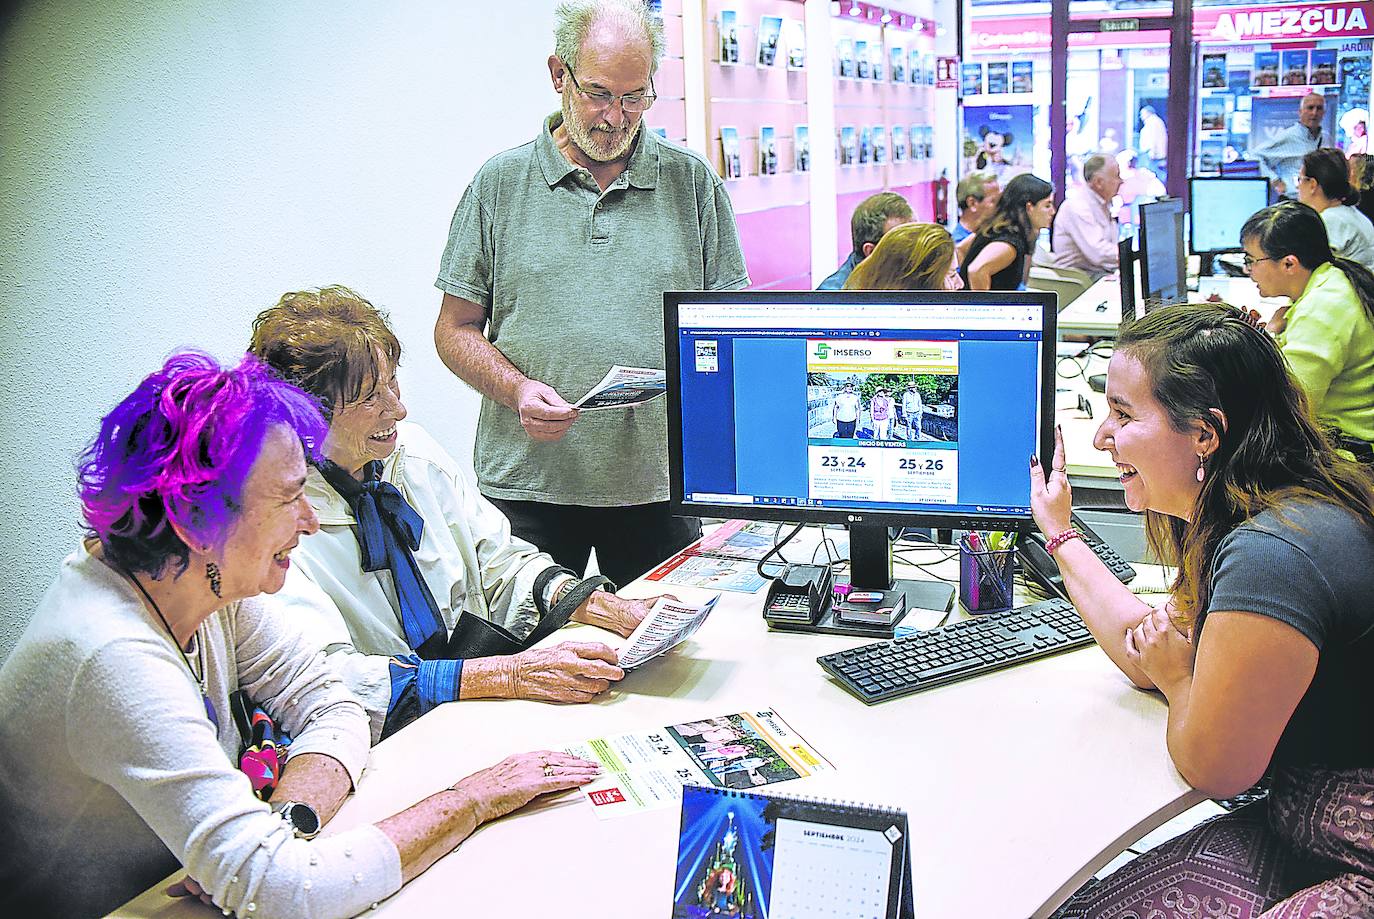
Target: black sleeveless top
point(1010, 277)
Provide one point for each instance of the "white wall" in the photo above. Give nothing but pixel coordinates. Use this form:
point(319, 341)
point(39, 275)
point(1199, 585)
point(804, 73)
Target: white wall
point(168, 170)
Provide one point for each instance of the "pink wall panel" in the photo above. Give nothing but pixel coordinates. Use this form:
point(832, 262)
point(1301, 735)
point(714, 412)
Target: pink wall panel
point(670, 114)
point(668, 81)
point(672, 31)
point(759, 193)
point(919, 195)
point(777, 247)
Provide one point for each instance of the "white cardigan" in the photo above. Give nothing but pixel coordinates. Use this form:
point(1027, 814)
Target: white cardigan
point(111, 774)
point(467, 555)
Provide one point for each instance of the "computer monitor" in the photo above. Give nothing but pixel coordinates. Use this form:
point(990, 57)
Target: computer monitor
point(771, 411)
point(1125, 255)
point(1241, 169)
point(1217, 209)
point(1163, 260)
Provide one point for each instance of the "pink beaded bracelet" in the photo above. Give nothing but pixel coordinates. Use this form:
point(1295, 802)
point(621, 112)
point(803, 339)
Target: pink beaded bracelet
point(1057, 541)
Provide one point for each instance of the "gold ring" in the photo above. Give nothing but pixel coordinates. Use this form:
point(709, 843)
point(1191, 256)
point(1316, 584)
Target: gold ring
point(1060, 469)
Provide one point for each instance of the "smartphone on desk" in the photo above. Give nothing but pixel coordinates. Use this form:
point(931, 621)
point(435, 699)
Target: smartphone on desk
point(1040, 566)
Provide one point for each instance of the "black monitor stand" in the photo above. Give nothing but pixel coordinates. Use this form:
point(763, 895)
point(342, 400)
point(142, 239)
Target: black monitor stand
point(870, 568)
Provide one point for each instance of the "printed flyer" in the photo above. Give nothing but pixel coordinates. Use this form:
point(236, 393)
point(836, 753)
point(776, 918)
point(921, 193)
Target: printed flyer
point(646, 770)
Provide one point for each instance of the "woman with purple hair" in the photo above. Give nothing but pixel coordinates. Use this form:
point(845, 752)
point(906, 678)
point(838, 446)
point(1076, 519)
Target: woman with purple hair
point(117, 740)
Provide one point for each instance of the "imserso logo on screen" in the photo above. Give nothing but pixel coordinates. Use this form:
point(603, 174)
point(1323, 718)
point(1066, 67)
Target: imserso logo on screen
point(824, 351)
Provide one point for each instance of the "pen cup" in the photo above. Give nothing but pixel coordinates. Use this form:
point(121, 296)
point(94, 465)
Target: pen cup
point(986, 579)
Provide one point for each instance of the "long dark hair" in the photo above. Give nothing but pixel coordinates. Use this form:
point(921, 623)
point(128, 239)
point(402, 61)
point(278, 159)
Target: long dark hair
point(1011, 213)
point(1293, 228)
point(1327, 166)
point(1205, 358)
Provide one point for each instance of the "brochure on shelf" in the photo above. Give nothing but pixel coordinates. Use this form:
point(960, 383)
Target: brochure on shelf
point(729, 37)
point(770, 33)
point(794, 38)
point(730, 158)
point(801, 148)
point(768, 150)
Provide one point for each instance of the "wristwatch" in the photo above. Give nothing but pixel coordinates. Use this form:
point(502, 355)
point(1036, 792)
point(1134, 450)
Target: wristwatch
point(304, 820)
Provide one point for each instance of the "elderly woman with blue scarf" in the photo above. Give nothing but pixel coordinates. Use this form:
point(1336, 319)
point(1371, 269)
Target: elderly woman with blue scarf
point(409, 555)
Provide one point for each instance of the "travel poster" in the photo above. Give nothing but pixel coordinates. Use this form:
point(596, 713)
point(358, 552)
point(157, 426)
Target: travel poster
point(1295, 68)
point(1323, 66)
point(997, 139)
point(1214, 71)
point(1266, 71)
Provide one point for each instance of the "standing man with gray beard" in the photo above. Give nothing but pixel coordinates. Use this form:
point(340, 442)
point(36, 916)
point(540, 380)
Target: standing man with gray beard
point(556, 263)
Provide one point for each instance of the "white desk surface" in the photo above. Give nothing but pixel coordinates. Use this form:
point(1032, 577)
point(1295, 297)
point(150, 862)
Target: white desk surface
point(1097, 311)
point(1019, 785)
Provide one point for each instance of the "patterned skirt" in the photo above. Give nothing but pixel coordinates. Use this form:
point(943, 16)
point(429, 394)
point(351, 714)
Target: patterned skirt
point(1305, 852)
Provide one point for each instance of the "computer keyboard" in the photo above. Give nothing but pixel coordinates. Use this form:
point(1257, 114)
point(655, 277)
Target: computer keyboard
point(888, 669)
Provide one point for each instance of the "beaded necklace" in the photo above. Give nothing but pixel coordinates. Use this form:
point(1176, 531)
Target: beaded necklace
point(200, 647)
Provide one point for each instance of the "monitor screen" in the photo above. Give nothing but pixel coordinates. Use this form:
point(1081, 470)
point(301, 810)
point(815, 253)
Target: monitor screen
point(917, 409)
point(1241, 169)
point(1125, 251)
point(1218, 209)
point(1163, 260)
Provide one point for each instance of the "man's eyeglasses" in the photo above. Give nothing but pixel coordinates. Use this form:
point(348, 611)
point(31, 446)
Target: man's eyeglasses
point(1249, 260)
point(601, 100)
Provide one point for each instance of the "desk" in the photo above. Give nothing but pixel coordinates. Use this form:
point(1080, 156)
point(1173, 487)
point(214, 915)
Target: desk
point(1097, 312)
point(1019, 785)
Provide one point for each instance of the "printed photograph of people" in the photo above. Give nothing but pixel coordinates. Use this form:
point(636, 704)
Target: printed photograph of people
point(883, 407)
point(732, 753)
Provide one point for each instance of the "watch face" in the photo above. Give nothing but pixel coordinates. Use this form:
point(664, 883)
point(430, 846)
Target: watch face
point(303, 818)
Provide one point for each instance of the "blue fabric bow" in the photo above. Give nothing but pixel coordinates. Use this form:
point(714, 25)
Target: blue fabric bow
point(388, 534)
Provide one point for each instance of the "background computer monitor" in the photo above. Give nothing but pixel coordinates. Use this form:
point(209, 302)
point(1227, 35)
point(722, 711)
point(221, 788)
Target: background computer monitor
point(753, 382)
point(1241, 169)
point(1218, 208)
point(1163, 260)
point(1125, 252)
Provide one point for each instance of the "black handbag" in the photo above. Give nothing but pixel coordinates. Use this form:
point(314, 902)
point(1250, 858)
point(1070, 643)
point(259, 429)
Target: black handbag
point(474, 636)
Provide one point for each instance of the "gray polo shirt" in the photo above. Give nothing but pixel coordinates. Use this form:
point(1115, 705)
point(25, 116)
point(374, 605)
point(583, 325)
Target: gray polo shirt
point(572, 280)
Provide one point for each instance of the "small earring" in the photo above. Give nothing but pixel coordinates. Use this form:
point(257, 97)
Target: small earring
point(212, 575)
point(1200, 473)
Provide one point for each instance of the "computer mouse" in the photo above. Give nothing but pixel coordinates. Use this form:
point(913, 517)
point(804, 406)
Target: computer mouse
point(1102, 307)
point(1098, 382)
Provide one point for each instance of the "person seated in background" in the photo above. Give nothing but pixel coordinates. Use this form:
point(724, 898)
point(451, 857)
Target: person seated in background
point(1085, 235)
point(1327, 334)
point(119, 750)
point(1000, 254)
point(917, 256)
point(1362, 180)
point(1264, 647)
point(1138, 185)
point(977, 194)
point(406, 545)
point(1324, 186)
point(875, 216)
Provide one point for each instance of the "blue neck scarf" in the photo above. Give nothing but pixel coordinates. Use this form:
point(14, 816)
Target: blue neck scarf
point(388, 531)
